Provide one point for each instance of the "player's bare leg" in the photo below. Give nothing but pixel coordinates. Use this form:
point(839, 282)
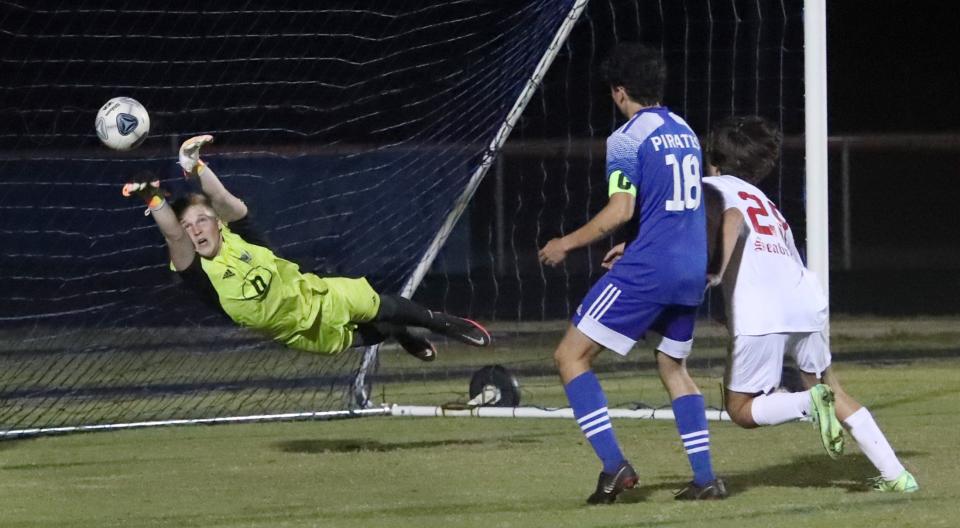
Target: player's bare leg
point(574, 359)
point(674, 376)
point(575, 354)
point(860, 423)
point(739, 406)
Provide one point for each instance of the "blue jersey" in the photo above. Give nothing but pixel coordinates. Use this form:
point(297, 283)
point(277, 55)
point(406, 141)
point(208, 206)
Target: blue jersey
point(659, 154)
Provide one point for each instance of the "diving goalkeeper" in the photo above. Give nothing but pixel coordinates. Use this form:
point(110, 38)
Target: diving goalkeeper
point(219, 253)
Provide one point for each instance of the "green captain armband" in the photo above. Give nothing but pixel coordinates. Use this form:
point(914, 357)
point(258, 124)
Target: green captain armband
point(618, 183)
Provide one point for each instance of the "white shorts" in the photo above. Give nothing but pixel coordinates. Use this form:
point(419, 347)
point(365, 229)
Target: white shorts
point(756, 362)
point(675, 349)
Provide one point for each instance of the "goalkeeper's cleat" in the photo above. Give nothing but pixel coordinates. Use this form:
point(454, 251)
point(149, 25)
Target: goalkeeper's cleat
point(609, 485)
point(463, 330)
point(473, 333)
point(189, 158)
point(905, 483)
point(418, 347)
point(713, 490)
point(825, 418)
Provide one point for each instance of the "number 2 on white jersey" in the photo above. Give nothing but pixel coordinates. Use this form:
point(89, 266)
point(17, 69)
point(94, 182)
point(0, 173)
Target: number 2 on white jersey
point(760, 211)
point(686, 193)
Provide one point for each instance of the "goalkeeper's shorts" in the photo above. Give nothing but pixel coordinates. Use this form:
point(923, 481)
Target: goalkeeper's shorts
point(346, 302)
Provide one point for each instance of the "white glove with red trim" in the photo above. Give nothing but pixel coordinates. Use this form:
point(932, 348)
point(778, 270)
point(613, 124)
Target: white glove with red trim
point(189, 158)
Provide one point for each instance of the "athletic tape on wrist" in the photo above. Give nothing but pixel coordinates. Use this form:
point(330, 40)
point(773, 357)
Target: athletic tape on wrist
point(155, 204)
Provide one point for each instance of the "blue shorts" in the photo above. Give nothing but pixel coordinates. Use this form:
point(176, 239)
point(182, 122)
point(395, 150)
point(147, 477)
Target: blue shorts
point(612, 317)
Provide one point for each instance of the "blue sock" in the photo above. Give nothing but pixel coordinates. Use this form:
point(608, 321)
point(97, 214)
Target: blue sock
point(589, 405)
point(690, 414)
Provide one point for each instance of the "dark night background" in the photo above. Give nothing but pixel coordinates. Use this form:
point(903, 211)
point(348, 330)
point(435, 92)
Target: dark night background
point(351, 128)
point(891, 66)
point(890, 72)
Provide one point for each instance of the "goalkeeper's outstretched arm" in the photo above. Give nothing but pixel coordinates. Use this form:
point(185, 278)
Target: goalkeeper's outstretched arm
point(179, 245)
point(227, 206)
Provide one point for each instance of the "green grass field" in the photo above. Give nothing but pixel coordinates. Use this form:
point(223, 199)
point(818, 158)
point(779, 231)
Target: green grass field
point(464, 472)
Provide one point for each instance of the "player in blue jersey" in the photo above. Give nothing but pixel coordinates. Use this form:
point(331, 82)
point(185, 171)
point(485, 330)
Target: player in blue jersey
point(653, 173)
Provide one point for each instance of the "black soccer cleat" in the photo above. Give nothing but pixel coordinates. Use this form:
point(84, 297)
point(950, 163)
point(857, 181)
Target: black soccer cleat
point(418, 347)
point(713, 490)
point(463, 330)
point(609, 485)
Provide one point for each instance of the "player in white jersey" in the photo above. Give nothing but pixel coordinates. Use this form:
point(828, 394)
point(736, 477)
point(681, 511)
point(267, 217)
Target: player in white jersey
point(774, 303)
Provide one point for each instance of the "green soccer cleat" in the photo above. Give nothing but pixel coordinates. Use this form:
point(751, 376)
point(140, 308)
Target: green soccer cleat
point(825, 418)
point(905, 483)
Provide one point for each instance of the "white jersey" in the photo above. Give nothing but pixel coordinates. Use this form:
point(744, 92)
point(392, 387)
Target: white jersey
point(771, 291)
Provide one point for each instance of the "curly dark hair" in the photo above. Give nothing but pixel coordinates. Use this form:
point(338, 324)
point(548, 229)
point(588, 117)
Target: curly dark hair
point(744, 146)
point(639, 69)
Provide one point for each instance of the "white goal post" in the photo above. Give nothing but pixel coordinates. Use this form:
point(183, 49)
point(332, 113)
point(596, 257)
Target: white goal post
point(815, 128)
point(537, 412)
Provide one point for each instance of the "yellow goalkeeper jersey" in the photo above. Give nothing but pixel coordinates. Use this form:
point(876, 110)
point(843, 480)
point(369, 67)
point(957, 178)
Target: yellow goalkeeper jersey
point(261, 291)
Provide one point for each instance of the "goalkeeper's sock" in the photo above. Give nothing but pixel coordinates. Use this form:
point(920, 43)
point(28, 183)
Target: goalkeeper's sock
point(780, 407)
point(691, 417)
point(369, 334)
point(589, 405)
point(865, 431)
point(372, 333)
point(397, 309)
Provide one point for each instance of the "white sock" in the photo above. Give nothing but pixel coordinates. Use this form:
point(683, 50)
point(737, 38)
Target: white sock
point(873, 444)
point(780, 407)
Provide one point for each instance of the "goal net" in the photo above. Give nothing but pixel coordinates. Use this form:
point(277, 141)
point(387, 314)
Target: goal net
point(723, 58)
point(351, 129)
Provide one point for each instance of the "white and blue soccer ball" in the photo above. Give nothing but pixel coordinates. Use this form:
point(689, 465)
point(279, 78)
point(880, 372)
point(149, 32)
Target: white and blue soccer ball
point(122, 123)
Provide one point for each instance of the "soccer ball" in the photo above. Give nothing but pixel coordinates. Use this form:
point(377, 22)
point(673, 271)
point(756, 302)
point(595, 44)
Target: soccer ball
point(122, 123)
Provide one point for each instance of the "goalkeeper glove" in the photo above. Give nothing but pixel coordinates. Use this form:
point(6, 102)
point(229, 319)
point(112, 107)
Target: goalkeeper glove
point(146, 188)
point(189, 159)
